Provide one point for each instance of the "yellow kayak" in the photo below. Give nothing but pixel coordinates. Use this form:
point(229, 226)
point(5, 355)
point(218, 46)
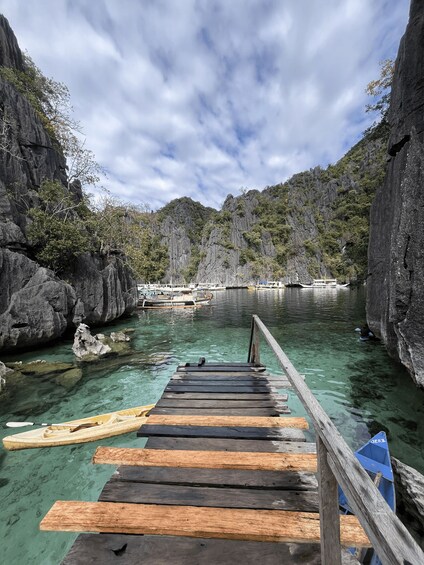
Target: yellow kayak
point(81, 431)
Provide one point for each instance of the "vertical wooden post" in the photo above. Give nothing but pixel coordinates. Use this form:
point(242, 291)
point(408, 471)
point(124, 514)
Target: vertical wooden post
point(254, 355)
point(328, 509)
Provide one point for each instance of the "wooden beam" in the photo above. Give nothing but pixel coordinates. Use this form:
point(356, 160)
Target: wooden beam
point(219, 444)
point(227, 432)
point(224, 523)
point(328, 509)
point(257, 422)
point(206, 459)
point(389, 537)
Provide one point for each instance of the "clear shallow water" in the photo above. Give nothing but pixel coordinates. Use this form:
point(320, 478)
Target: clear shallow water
point(361, 389)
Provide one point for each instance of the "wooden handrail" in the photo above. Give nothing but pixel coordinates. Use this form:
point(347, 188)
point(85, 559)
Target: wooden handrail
point(389, 537)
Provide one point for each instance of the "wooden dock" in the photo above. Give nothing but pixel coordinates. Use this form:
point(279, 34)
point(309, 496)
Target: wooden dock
point(226, 475)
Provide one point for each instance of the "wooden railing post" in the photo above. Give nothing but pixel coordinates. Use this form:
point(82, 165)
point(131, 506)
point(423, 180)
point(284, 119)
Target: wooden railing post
point(329, 515)
point(254, 354)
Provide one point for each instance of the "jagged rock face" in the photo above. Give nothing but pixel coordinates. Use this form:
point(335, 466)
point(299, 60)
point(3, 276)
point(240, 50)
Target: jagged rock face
point(409, 485)
point(395, 294)
point(104, 287)
point(36, 306)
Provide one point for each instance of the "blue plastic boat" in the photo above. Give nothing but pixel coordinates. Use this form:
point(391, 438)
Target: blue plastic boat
point(374, 456)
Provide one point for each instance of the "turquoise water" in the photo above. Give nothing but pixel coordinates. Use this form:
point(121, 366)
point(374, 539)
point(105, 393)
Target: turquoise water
point(359, 386)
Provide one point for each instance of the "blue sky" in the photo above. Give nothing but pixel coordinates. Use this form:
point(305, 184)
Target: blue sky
point(202, 98)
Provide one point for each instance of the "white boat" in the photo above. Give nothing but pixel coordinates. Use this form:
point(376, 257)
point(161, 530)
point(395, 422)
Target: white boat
point(184, 299)
point(209, 286)
point(324, 284)
point(270, 285)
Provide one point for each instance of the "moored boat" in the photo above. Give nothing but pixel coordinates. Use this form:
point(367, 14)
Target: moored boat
point(81, 431)
point(185, 299)
point(374, 457)
point(324, 284)
point(270, 285)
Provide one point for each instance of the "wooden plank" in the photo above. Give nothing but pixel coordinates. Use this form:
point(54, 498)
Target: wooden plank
point(221, 369)
point(328, 509)
point(226, 523)
point(247, 432)
point(219, 378)
point(217, 444)
point(224, 365)
point(222, 411)
point(120, 491)
point(206, 459)
point(182, 403)
point(289, 480)
point(215, 382)
point(223, 396)
point(389, 537)
point(217, 388)
point(113, 549)
point(259, 422)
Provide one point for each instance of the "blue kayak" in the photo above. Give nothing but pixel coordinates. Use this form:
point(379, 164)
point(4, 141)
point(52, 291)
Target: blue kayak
point(374, 456)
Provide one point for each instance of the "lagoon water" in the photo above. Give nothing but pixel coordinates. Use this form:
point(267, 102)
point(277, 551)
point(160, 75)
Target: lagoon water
point(361, 389)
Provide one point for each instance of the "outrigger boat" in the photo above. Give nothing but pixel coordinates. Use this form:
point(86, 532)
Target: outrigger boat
point(374, 457)
point(81, 431)
point(186, 299)
point(324, 284)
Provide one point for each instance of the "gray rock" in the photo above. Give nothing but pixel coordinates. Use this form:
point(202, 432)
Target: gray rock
point(395, 294)
point(409, 485)
point(87, 345)
point(35, 306)
point(119, 336)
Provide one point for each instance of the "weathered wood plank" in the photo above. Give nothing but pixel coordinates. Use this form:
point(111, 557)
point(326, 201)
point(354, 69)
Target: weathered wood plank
point(221, 369)
point(182, 403)
point(206, 459)
point(219, 383)
point(257, 525)
point(224, 364)
point(216, 388)
point(389, 537)
point(215, 431)
point(222, 411)
point(289, 480)
point(216, 444)
point(245, 421)
point(219, 378)
point(120, 491)
point(223, 396)
point(114, 549)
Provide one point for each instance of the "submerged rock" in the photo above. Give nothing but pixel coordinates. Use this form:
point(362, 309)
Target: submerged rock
point(70, 378)
point(3, 372)
point(40, 367)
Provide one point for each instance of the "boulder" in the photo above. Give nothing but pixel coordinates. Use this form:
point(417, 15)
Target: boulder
point(88, 346)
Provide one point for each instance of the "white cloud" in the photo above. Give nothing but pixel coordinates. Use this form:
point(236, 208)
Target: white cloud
point(203, 97)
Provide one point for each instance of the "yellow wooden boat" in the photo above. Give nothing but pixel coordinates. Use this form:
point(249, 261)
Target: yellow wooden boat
point(81, 431)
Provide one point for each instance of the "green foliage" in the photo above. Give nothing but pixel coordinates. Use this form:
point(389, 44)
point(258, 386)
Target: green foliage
point(131, 230)
point(58, 232)
point(196, 257)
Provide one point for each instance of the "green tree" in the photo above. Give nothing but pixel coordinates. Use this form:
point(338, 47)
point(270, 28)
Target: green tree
point(380, 90)
point(58, 229)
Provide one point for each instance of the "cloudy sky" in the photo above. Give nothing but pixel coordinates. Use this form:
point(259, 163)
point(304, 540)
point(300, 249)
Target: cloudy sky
point(202, 98)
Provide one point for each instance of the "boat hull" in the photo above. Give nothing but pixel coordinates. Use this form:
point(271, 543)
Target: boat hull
point(67, 433)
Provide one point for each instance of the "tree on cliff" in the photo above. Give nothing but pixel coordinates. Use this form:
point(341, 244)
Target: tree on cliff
point(380, 90)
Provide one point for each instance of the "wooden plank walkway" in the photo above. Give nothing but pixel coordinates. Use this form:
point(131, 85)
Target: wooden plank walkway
point(217, 463)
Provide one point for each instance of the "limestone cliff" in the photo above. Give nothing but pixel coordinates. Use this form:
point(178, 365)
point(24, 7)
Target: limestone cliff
point(36, 306)
point(313, 225)
point(395, 297)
